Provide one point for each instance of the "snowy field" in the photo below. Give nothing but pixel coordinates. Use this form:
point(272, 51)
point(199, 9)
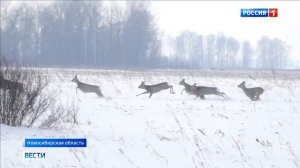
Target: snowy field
point(169, 131)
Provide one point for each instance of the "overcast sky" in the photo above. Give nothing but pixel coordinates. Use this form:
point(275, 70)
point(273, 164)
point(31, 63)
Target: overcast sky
point(205, 17)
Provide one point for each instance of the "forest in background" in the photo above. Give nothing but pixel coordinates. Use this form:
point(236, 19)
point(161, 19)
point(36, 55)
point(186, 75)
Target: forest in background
point(93, 35)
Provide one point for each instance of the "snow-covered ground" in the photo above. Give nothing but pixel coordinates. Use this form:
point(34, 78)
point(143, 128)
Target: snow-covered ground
point(170, 131)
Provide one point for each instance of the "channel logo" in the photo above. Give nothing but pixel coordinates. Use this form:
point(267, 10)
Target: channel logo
point(259, 12)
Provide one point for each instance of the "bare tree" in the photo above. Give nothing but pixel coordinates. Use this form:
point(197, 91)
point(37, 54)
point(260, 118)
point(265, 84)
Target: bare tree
point(272, 53)
point(247, 55)
point(22, 100)
point(210, 51)
point(60, 115)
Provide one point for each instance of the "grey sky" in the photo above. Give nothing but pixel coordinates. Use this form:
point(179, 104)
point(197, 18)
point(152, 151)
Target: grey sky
point(205, 17)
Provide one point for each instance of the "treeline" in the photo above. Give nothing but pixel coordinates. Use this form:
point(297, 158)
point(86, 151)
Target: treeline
point(191, 50)
point(94, 34)
point(84, 33)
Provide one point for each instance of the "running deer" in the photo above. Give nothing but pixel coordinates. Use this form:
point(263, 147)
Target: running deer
point(155, 88)
point(10, 85)
point(252, 93)
point(201, 91)
point(87, 88)
point(190, 89)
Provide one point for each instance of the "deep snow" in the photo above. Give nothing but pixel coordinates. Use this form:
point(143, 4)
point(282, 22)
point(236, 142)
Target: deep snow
point(172, 131)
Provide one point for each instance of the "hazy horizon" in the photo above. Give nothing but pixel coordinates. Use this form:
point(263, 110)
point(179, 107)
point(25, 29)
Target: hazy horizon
point(212, 17)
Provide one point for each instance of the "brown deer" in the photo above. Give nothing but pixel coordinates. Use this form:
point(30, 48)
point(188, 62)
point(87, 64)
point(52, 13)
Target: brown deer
point(87, 88)
point(252, 93)
point(155, 88)
point(201, 91)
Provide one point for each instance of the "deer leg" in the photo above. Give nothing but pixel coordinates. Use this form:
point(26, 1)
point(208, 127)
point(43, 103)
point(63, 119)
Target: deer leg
point(142, 93)
point(256, 98)
point(182, 91)
point(227, 96)
point(252, 98)
point(202, 97)
point(99, 93)
point(171, 90)
point(150, 95)
point(76, 90)
point(223, 95)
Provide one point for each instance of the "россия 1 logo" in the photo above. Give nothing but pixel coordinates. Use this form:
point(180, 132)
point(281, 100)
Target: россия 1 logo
point(259, 12)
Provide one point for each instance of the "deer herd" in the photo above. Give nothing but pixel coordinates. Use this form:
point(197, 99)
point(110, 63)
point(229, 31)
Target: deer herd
point(198, 91)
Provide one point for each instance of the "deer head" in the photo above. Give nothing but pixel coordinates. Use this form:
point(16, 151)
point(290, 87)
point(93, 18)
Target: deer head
point(142, 85)
point(241, 85)
point(182, 82)
point(75, 79)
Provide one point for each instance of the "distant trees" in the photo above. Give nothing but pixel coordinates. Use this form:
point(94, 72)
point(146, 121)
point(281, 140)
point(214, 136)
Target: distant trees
point(213, 51)
point(91, 34)
point(78, 33)
point(247, 55)
point(272, 53)
point(221, 52)
point(188, 51)
point(139, 35)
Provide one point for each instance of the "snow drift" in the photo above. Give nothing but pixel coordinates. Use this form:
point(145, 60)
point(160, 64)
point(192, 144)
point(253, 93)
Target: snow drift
point(174, 131)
